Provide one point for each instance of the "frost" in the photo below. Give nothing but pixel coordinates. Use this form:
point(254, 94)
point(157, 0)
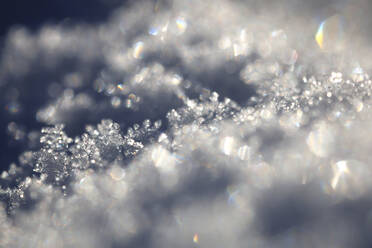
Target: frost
point(98, 146)
point(52, 160)
point(186, 123)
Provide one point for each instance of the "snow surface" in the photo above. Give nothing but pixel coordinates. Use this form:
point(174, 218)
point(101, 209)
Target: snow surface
point(188, 124)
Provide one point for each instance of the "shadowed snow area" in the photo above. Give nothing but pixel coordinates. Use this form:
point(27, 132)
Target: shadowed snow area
point(190, 124)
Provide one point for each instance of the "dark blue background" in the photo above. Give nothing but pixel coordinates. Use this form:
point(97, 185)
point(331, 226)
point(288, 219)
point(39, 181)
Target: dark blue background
point(32, 15)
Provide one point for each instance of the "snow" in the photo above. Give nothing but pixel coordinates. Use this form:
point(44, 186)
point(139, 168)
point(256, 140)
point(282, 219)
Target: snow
point(183, 124)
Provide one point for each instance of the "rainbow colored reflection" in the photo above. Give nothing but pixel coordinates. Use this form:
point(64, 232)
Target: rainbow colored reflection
point(195, 239)
point(330, 34)
point(319, 37)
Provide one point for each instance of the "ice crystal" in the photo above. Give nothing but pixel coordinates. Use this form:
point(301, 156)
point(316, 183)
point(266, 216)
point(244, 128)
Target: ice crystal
point(52, 160)
point(209, 110)
point(98, 145)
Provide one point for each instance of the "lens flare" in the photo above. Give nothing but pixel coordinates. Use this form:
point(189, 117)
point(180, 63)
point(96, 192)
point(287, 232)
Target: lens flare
point(319, 37)
point(195, 239)
point(330, 34)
